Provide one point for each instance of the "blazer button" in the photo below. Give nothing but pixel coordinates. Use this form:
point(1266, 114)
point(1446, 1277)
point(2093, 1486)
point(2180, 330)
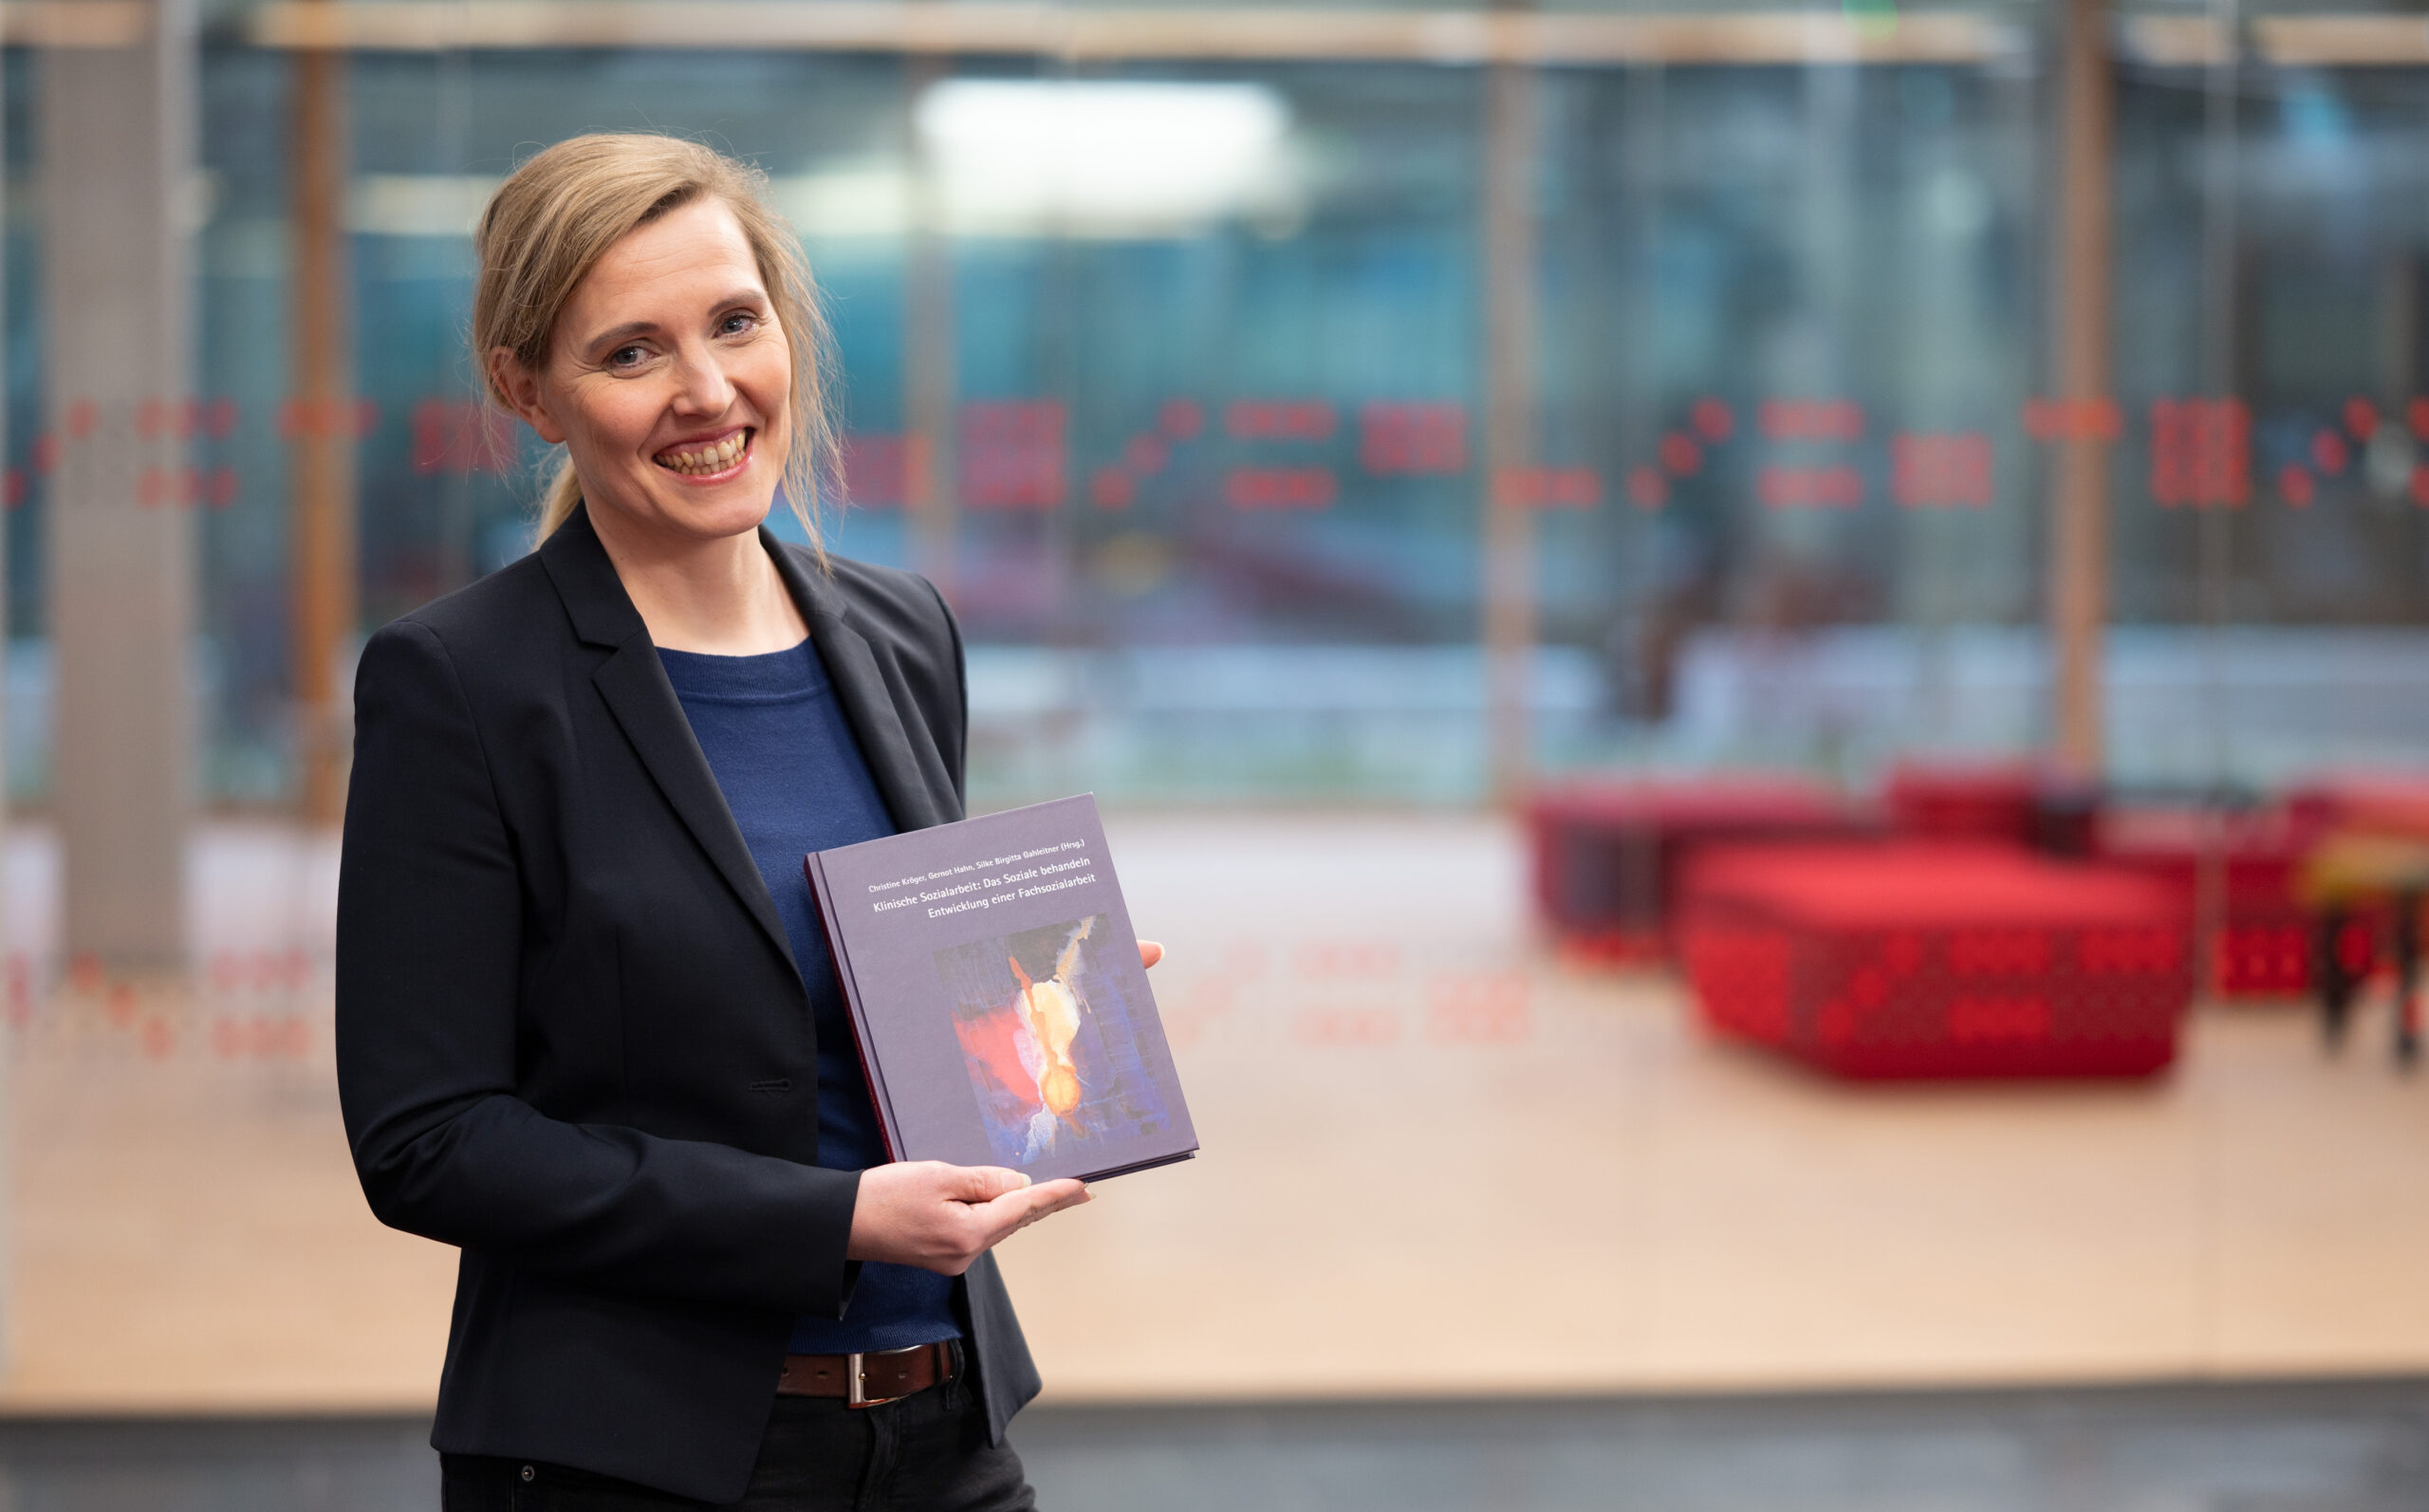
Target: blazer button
point(529, 1473)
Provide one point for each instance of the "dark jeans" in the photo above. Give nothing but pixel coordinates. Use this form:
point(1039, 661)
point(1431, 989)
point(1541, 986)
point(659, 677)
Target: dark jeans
point(927, 1452)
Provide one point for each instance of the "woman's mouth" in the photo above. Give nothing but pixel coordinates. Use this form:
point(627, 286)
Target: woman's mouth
point(707, 459)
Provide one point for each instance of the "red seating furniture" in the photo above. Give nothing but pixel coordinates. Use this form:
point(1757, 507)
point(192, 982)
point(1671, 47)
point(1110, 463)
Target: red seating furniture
point(1981, 801)
point(1608, 856)
point(1932, 959)
point(2264, 937)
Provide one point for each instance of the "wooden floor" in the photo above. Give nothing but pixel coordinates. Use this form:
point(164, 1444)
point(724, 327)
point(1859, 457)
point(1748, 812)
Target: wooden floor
point(1436, 1162)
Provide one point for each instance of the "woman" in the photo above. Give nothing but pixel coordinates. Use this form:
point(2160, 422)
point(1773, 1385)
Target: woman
point(589, 1031)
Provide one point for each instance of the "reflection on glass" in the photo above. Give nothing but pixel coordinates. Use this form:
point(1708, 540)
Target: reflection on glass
point(1208, 464)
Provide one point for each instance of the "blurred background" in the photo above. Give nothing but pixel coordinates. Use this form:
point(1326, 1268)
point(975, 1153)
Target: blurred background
point(1563, 536)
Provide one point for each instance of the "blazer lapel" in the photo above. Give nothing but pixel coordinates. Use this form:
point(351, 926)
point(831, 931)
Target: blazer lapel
point(866, 694)
point(632, 682)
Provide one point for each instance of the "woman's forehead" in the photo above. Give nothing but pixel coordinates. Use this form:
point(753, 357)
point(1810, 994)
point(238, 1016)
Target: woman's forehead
point(695, 252)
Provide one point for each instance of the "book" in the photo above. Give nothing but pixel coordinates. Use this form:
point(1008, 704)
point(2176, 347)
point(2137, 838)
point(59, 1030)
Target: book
point(993, 981)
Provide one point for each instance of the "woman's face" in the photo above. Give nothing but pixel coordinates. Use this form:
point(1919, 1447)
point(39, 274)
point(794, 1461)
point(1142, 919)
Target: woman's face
point(669, 380)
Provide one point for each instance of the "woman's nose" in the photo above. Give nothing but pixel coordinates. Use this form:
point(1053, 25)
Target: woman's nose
point(703, 387)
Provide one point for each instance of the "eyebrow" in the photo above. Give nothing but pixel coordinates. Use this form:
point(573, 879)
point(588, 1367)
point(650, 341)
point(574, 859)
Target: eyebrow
point(625, 332)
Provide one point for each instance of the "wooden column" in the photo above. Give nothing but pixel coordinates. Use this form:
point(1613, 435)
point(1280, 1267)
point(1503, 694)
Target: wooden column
point(4, 552)
point(323, 562)
point(930, 378)
point(1510, 237)
point(117, 128)
point(2079, 495)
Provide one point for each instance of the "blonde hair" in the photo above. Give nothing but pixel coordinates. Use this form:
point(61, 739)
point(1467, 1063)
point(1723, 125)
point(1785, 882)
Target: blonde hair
point(554, 217)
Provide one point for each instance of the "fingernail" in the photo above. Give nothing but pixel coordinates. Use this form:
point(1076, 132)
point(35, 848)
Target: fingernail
point(1027, 1180)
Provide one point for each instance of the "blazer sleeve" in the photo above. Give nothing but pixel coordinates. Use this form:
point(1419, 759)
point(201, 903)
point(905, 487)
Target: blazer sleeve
point(429, 961)
point(956, 753)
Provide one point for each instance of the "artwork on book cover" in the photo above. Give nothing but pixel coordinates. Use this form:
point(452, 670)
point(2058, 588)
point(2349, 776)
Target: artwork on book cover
point(993, 979)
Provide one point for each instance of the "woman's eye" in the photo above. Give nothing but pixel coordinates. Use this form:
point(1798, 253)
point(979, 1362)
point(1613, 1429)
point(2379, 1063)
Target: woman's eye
point(737, 323)
point(625, 357)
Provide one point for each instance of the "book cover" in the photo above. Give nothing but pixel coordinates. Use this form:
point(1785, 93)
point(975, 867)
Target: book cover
point(993, 980)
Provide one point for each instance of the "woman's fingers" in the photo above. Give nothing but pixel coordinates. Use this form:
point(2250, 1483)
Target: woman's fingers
point(1150, 953)
point(978, 1184)
point(1016, 1211)
point(943, 1217)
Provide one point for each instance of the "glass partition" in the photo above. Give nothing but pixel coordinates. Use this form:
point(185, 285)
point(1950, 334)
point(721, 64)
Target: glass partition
point(1203, 339)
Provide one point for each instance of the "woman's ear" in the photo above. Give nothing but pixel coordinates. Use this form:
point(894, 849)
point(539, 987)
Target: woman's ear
point(520, 387)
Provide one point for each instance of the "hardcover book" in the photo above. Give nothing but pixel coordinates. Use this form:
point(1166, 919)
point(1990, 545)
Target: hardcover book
point(995, 984)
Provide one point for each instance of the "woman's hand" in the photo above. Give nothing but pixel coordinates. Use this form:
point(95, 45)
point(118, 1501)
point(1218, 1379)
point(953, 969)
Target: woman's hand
point(942, 1218)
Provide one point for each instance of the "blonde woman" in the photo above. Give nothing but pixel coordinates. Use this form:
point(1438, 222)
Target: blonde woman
point(587, 1028)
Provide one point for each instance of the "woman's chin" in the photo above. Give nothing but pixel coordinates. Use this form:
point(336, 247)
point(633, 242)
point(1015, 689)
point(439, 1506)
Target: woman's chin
point(709, 512)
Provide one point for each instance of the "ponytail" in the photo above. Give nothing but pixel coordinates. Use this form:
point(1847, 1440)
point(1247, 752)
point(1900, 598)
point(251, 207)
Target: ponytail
point(558, 499)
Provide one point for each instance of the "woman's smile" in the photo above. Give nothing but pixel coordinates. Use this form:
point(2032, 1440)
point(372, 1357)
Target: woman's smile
point(717, 457)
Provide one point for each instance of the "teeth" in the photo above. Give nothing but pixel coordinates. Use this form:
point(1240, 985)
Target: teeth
point(707, 459)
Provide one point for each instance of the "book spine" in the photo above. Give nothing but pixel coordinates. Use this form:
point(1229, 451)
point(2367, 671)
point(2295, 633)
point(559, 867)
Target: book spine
point(832, 925)
point(1149, 1164)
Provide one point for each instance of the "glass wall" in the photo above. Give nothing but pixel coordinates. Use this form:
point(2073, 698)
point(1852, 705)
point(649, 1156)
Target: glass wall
point(1207, 343)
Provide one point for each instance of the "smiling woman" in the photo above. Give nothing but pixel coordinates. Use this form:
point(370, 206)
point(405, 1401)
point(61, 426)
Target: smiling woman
point(541, 240)
point(672, 382)
point(588, 1029)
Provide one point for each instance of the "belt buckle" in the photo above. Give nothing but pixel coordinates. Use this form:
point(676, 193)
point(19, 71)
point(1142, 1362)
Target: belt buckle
point(855, 1380)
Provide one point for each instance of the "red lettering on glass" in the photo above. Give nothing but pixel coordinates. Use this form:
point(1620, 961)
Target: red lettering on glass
point(1779, 487)
point(2073, 419)
point(1812, 420)
point(1281, 488)
point(1281, 420)
point(1547, 488)
point(1014, 454)
point(1941, 470)
point(2200, 452)
point(1413, 439)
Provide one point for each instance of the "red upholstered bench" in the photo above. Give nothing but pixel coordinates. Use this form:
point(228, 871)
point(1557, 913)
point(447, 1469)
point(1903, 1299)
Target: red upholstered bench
point(1937, 959)
point(1989, 801)
point(2264, 937)
point(1608, 856)
point(2014, 802)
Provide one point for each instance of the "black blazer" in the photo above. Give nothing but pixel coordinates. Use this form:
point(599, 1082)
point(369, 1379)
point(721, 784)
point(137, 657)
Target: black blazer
point(571, 1038)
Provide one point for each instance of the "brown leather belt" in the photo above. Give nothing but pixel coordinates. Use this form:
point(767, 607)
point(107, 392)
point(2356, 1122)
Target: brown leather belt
point(871, 1380)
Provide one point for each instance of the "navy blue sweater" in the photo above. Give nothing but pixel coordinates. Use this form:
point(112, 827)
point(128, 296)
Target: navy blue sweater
point(794, 777)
